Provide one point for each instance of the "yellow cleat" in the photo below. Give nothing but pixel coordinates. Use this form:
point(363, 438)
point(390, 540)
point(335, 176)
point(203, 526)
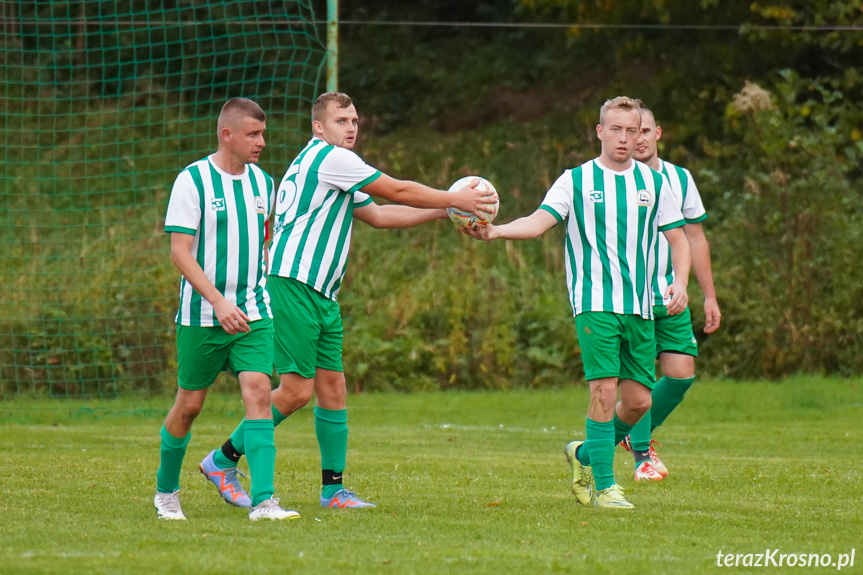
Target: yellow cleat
point(612, 498)
point(582, 475)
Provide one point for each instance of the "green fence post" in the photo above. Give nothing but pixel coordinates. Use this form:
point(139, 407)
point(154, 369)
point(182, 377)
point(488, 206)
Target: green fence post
point(332, 45)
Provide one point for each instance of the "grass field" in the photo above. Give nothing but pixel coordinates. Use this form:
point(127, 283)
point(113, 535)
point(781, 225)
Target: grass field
point(465, 482)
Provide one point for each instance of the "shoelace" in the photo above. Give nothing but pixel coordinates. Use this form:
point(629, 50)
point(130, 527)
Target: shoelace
point(269, 506)
point(647, 467)
point(617, 489)
point(231, 474)
point(170, 502)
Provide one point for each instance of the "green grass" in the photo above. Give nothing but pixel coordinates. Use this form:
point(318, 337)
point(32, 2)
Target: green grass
point(466, 482)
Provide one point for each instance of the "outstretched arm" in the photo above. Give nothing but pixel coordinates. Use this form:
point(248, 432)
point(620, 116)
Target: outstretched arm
point(704, 274)
point(525, 228)
point(417, 195)
point(396, 217)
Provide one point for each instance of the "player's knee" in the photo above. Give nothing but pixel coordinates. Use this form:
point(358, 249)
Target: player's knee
point(641, 407)
point(331, 387)
point(187, 413)
point(681, 373)
point(302, 397)
point(289, 399)
point(636, 406)
point(678, 366)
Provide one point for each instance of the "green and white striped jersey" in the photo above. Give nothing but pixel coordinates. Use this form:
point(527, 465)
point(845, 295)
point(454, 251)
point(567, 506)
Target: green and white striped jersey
point(614, 221)
point(693, 212)
point(314, 215)
point(226, 213)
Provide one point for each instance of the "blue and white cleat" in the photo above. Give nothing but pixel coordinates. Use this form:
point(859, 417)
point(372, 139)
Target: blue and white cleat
point(344, 499)
point(226, 482)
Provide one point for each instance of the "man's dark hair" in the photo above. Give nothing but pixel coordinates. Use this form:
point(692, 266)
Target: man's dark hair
point(243, 107)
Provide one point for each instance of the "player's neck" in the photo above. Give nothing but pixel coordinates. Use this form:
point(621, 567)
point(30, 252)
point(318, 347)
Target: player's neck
point(654, 163)
point(228, 163)
point(615, 166)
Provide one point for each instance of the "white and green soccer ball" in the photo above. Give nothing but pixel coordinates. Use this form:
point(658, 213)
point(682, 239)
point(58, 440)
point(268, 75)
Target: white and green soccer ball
point(464, 219)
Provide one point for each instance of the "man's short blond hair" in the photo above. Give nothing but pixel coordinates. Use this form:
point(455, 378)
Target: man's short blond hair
point(620, 103)
point(319, 109)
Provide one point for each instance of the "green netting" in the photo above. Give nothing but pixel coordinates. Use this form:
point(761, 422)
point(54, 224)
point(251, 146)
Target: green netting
point(103, 103)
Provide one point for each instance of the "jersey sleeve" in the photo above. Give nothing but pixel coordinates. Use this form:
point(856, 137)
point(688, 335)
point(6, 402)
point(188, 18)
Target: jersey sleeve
point(669, 216)
point(361, 199)
point(693, 208)
point(346, 171)
point(184, 206)
point(558, 198)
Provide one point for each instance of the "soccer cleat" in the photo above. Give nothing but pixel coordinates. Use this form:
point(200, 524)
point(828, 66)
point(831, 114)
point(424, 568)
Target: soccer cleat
point(582, 475)
point(646, 472)
point(654, 459)
point(269, 509)
point(612, 498)
point(344, 499)
point(660, 468)
point(168, 506)
point(225, 481)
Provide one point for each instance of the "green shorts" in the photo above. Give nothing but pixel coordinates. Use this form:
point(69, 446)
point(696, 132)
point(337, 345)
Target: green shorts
point(202, 352)
point(308, 326)
point(674, 332)
point(616, 345)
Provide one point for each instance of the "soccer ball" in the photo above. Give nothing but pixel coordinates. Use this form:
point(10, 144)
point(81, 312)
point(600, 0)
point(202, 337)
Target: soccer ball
point(464, 219)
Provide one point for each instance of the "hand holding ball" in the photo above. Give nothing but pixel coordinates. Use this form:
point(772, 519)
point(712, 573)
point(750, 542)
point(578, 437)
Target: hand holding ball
point(464, 219)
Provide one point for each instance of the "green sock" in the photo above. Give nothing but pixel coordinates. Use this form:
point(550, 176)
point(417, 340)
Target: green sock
point(171, 453)
point(639, 436)
point(331, 427)
point(238, 440)
point(621, 429)
point(600, 449)
point(667, 395)
point(261, 451)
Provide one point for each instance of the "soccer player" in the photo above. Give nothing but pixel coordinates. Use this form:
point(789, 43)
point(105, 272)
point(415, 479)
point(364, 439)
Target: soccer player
point(216, 217)
point(675, 343)
point(616, 209)
point(318, 198)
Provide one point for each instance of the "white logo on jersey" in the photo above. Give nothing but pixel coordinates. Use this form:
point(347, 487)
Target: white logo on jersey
point(259, 205)
point(596, 196)
point(645, 198)
point(287, 195)
point(218, 204)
